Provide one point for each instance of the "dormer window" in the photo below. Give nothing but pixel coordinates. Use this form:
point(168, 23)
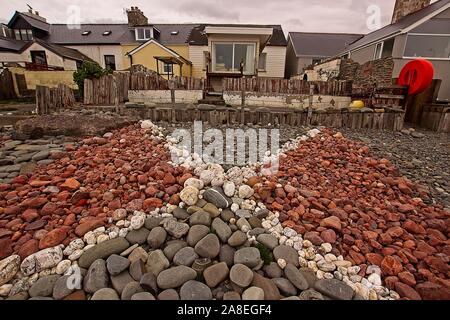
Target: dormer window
point(23, 34)
point(86, 33)
point(107, 33)
point(144, 33)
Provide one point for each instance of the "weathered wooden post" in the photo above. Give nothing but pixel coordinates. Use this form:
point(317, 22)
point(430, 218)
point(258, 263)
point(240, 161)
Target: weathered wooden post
point(310, 103)
point(116, 94)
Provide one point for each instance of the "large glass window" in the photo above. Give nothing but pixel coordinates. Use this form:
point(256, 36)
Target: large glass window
point(229, 57)
point(427, 46)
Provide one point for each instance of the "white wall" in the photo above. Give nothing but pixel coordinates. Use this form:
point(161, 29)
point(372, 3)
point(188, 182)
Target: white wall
point(286, 100)
point(10, 57)
point(275, 63)
point(164, 96)
point(197, 59)
point(98, 52)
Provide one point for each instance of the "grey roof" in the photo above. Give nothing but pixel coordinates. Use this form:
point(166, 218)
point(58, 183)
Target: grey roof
point(7, 44)
point(320, 44)
point(63, 51)
point(198, 37)
point(393, 29)
point(120, 33)
point(35, 23)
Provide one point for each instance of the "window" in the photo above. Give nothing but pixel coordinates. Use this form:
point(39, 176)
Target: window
point(316, 61)
point(86, 33)
point(262, 62)
point(79, 64)
point(110, 62)
point(107, 33)
point(23, 34)
point(428, 46)
point(143, 34)
point(229, 57)
point(378, 51)
point(388, 46)
point(38, 57)
point(168, 68)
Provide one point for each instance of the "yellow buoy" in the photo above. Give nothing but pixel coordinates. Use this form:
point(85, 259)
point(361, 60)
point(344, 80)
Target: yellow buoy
point(358, 104)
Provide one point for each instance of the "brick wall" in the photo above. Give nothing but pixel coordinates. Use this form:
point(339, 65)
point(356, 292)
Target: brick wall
point(367, 74)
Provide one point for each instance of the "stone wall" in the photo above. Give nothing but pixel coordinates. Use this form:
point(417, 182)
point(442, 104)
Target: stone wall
point(366, 75)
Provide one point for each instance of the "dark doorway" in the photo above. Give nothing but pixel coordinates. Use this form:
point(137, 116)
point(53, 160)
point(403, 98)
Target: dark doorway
point(38, 57)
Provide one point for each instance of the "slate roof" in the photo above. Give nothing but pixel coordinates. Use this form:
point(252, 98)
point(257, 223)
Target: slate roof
point(320, 44)
point(12, 45)
point(393, 29)
point(63, 51)
point(35, 23)
point(199, 38)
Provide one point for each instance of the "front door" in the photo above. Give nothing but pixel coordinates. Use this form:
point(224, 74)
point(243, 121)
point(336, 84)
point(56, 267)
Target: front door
point(38, 57)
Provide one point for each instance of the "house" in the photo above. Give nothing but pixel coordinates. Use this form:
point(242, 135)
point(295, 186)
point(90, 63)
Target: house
point(22, 42)
point(308, 48)
point(418, 29)
point(198, 50)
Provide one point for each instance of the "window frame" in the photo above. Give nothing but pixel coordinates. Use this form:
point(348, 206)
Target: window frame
point(233, 43)
point(375, 56)
point(171, 68)
point(265, 62)
point(145, 38)
point(35, 53)
point(404, 56)
point(106, 64)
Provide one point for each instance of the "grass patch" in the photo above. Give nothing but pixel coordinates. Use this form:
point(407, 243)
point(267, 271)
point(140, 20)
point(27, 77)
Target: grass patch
point(266, 254)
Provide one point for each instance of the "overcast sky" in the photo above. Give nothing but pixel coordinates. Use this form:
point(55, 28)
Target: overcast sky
point(293, 15)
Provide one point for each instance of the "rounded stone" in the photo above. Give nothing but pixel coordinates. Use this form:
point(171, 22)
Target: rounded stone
point(156, 237)
point(267, 240)
point(200, 218)
point(43, 287)
point(287, 253)
point(130, 289)
point(241, 275)
point(105, 294)
point(61, 290)
point(216, 274)
point(142, 296)
point(248, 256)
point(285, 286)
point(195, 290)
point(138, 236)
point(169, 294)
point(227, 254)
point(185, 257)
point(208, 247)
point(96, 277)
point(175, 277)
point(196, 233)
point(238, 238)
point(295, 277)
point(253, 293)
point(116, 264)
point(222, 230)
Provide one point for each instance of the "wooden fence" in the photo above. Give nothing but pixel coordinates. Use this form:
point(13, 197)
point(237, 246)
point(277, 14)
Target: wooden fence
point(391, 119)
point(101, 91)
point(293, 86)
point(7, 85)
point(436, 117)
point(52, 99)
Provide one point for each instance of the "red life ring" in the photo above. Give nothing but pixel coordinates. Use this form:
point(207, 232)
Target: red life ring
point(417, 75)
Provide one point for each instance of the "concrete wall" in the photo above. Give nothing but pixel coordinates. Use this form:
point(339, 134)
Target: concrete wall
point(275, 62)
point(285, 100)
point(164, 96)
point(324, 71)
point(98, 52)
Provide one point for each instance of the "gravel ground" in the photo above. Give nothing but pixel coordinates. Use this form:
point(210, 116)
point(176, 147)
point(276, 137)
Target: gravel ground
point(424, 159)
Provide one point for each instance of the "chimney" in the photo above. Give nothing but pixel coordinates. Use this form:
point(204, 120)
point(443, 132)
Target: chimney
point(405, 7)
point(136, 17)
point(36, 13)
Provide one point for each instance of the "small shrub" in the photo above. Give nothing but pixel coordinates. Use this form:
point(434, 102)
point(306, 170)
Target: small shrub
point(88, 70)
point(266, 254)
